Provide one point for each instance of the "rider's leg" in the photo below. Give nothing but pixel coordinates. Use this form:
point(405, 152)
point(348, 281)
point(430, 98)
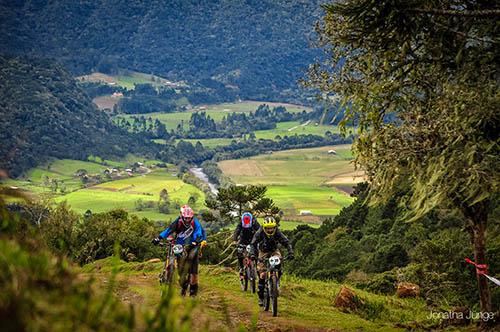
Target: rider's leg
point(193, 288)
point(240, 261)
point(261, 268)
point(193, 271)
point(183, 274)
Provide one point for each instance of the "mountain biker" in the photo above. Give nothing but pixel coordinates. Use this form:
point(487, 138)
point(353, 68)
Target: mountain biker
point(190, 233)
point(266, 241)
point(243, 235)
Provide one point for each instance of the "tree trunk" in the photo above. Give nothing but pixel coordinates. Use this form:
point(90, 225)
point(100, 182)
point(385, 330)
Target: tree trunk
point(478, 218)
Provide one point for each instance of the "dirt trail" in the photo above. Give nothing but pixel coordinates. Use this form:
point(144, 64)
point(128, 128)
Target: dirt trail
point(220, 308)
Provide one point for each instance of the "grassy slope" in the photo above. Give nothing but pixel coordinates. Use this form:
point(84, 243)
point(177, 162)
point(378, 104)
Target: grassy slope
point(304, 305)
point(216, 111)
point(124, 194)
point(295, 128)
point(108, 195)
point(297, 178)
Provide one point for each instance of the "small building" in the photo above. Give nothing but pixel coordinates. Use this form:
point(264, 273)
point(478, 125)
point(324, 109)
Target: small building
point(305, 213)
point(128, 170)
point(332, 152)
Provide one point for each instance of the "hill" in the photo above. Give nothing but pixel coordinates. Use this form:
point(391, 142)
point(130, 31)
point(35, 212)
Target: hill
point(257, 49)
point(44, 114)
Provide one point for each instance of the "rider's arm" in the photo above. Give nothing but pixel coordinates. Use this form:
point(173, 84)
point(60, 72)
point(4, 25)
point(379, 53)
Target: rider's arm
point(237, 232)
point(198, 232)
point(255, 240)
point(255, 225)
point(169, 230)
point(284, 241)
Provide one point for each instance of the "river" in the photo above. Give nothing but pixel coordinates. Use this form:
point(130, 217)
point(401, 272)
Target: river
point(198, 172)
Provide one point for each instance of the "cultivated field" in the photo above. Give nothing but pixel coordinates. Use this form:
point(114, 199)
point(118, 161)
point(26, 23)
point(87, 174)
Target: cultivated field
point(216, 111)
point(295, 128)
point(123, 193)
point(303, 179)
point(128, 79)
point(126, 192)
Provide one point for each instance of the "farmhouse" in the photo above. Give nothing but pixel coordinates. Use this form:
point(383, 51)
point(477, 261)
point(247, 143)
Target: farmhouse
point(332, 152)
point(305, 213)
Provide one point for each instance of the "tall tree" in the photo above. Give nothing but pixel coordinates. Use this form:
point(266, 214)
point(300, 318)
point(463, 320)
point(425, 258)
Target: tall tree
point(235, 200)
point(434, 66)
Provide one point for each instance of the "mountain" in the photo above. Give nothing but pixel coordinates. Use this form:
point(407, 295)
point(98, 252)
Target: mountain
point(43, 114)
point(258, 48)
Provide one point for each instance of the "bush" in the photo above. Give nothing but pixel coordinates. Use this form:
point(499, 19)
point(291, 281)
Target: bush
point(384, 283)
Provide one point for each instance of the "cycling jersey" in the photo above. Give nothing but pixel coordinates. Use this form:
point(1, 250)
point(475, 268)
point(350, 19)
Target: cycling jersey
point(194, 232)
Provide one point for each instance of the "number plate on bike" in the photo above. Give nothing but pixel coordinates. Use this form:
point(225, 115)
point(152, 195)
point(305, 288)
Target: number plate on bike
point(178, 249)
point(274, 260)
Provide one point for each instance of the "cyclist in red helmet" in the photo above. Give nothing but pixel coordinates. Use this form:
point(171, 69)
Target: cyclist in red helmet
point(243, 235)
point(188, 231)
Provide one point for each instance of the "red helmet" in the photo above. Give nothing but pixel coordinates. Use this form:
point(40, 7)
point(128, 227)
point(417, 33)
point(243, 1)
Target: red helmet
point(187, 213)
point(246, 220)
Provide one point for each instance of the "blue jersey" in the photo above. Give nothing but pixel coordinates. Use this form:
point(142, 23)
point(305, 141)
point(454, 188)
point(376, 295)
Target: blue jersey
point(185, 235)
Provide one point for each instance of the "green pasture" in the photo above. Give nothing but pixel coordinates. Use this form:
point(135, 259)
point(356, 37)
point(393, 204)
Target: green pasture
point(126, 79)
point(291, 128)
point(126, 192)
point(216, 111)
point(301, 179)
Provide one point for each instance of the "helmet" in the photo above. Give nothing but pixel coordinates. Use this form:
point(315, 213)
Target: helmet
point(246, 220)
point(269, 226)
point(187, 214)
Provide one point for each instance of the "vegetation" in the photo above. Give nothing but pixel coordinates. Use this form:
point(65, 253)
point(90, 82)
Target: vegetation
point(42, 290)
point(44, 114)
point(372, 248)
point(263, 63)
point(302, 179)
point(442, 85)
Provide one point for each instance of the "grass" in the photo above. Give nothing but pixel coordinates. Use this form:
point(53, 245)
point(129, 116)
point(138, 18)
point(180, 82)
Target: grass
point(291, 128)
point(216, 111)
point(126, 79)
point(105, 196)
point(208, 143)
point(304, 304)
point(302, 179)
point(126, 192)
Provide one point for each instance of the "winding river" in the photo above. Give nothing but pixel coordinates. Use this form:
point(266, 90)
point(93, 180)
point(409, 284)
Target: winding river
point(198, 172)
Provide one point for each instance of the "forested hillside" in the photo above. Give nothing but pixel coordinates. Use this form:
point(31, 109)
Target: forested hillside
point(43, 113)
point(257, 49)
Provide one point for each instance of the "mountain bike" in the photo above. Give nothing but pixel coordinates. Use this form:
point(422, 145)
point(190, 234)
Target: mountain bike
point(271, 290)
point(172, 251)
point(249, 269)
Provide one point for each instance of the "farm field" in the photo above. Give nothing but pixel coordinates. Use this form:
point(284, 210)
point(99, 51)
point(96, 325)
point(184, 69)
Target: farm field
point(126, 192)
point(291, 128)
point(127, 79)
point(216, 111)
point(123, 193)
point(282, 129)
point(302, 179)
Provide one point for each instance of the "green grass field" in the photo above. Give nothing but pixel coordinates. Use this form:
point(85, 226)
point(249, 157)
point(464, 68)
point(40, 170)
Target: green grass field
point(126, 192)
point(216, 111)
point(126, 79)
point(295, 128)
point(105, 196)
point(282, 129)
point(302, 179)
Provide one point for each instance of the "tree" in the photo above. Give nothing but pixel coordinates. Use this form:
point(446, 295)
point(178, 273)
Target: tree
point(237, 199)
point(440, 83)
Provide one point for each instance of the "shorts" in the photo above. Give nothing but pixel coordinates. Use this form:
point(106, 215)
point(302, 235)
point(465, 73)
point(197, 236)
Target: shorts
point(263, 256)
